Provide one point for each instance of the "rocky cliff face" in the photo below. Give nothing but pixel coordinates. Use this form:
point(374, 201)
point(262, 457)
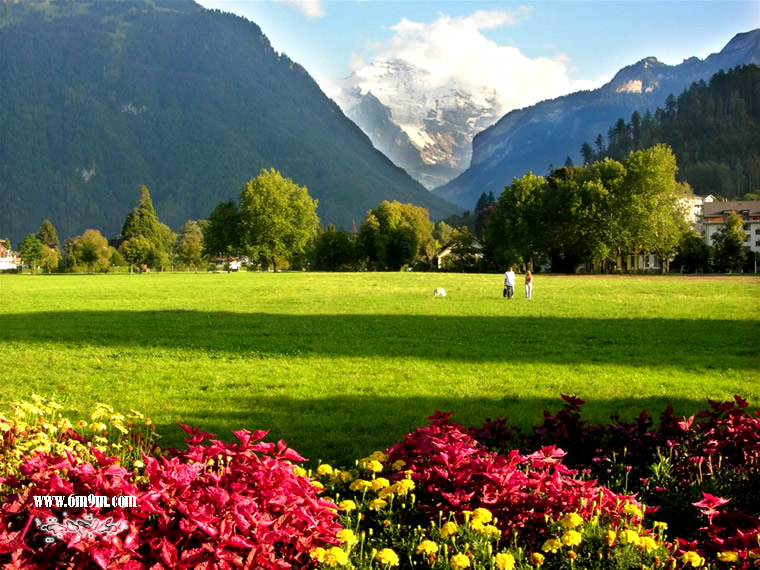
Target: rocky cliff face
point(537, 137)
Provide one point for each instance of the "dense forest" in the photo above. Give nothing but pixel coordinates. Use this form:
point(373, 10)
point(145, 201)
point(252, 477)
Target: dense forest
point(99, 98)
point(713, 129)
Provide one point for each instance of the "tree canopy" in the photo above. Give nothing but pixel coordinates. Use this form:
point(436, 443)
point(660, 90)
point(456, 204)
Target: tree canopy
point(278, 218)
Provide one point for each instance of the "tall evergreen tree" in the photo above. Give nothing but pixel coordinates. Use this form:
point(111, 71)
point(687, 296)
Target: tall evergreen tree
point(143, 222)
point(47, 235)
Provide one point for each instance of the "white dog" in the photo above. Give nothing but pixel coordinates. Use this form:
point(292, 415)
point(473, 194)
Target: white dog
point(439, 292)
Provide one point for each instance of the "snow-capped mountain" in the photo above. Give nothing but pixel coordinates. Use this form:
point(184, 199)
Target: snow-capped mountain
point(426, 129)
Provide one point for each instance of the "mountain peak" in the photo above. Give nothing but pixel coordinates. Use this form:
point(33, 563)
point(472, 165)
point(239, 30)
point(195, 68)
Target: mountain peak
point(744, 42)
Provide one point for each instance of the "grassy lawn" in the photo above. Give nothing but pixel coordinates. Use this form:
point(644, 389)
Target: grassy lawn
point(341, 364)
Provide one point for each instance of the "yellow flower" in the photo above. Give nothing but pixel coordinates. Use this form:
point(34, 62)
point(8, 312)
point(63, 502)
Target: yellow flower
point(324, 469)
point(404, 486)
point(571, 538)
point(728, 556)
point(379, 456)
point(377, 504)
point(380, 483)
point(692, 558)
point(318, 554)
point(319, 486)
point(505, 561)
point(299, 471)
point(81, 424)
point(387, 492)
point(348, 505)
point(360, 485)
point(660, 525)
point(398, 465)
point(492, 532)
point(633, 510)
point(373, 465)
point(611, 536)
point(336, 557)
point(459, 561)
point(483, 515)
point(449, 529)
point(347, 536)
point(571, 520)
point(552, 545)
point(629, 537)
point(477, 526)
point(537, 558)
point(647, 543)
point(345, 476)
point(387, 556)
point(427, 547)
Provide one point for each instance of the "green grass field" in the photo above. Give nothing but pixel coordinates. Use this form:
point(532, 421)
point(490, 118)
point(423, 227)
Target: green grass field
point(341, 364)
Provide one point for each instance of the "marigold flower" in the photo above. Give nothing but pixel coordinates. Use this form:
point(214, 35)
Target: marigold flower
point(629, 537)
point(504, 561)
point(348, 505)
point(360, 485)
point(552, 545)
point(378, 456)
point(373, 465)
point(571, 520)
point(387, 556)
point(347, 536)
point(404, 486)
point(660, 525)
point(299, 471)
point(611, 536)
point(336, 557)
point(459, 561)
point(427, 547)
point(647, 543)
point(398, 465)
point(324, 469)
point(633, 510)
point(380, 483)
point(477, 526)
point(492, 532)
point(728, 556)
point(483, 515)
point(318, 554)
point(318, 485)
point(377, 504)
point(571, 538)
point(693, 559)
point(449, 529)
point(537, 559)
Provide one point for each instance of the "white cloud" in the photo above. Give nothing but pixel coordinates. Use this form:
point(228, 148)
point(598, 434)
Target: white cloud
point(309, 8)
point(453, 51)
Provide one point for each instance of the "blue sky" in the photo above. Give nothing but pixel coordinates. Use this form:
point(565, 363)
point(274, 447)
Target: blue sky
point(591, 39)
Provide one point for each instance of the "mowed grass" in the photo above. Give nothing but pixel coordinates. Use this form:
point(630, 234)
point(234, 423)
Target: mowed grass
point(341, 364)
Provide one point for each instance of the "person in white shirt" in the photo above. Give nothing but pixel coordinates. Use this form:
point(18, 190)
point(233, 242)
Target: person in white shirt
point(509, 282)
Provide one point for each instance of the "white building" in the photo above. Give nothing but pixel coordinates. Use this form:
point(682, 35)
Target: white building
point(715, 214)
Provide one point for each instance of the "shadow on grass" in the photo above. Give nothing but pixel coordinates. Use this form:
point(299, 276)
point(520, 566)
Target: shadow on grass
point(341, 430)
point(704, 344)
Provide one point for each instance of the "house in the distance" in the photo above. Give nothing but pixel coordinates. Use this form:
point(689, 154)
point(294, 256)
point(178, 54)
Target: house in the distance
point(715, 214)
point(9, 260)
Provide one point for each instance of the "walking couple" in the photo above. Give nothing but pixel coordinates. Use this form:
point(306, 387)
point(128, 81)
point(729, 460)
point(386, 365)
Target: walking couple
point(509, 283)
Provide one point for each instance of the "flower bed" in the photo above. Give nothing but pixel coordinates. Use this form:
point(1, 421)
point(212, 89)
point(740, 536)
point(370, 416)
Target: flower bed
point(444, 497)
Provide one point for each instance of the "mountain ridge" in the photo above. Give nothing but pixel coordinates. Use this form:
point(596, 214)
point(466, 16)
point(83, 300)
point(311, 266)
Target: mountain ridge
point(532, 138)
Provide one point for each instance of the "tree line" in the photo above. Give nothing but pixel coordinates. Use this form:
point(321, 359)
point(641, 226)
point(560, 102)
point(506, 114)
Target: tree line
point(599, 216)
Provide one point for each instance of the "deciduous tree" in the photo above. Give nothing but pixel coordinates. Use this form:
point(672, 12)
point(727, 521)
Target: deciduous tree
point(728, 243)
point(278, 218)
point(31, 250)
